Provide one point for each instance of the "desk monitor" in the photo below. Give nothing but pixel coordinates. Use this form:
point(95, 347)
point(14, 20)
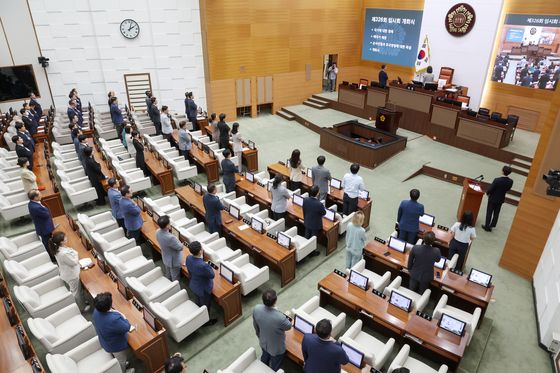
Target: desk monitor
point(298, 200)
point(309, 173)
point(226, 273)
point(400, 301)
point(234, 211)
point(396, 244)
point(431, 86)
point(155, 216)
point(121, 287)
point(284, 240)
point(206, 148)
point(358, 280)
point(257, 225)
point(150, 319)
point(330, 215)
point(480, 278)
point(250, 176)
point(200, 145)
point(417, 83)
point(251, 145)
point(427, 219)
point(363, 194)
point(198, 188)
point(302, 325)
point(452, 324)
point(211, 154)
point(441, 263)
point(355, 357)
point(335, 183)
point(140, 203)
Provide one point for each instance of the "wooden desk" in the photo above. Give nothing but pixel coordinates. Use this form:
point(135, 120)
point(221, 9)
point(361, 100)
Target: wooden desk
point(415, 106)
point(443, 237)
point(148, 345)
point(250, 157)
point(489, 133)
point(226, 295)
point(203, 160)
point(41, 168)
point(162, 174)
point(260, 246)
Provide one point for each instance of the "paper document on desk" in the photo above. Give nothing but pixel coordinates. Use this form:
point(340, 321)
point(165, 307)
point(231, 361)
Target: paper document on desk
point(245, 149)
point(243, 227)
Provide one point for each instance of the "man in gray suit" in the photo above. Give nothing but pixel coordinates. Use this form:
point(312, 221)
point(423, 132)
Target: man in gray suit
point(271, 326)
point(171, 249)
point(321, 177)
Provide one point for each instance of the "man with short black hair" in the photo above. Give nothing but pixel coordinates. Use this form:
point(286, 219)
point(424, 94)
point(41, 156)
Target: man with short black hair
point(229, 169)
point(22, 151)
point(73, 111)
point(421, 260)
point(82, 144)
point(94, 174)
point(132, 214)
point(321, 176)
point(213, 207)
point(408, 217)
point(321, 353)
point(42, 219)
point(313, 212)
point(116, 116)
point(496, 198)
point(271, 325)
point(115, 197)
point(223, 129)
point(175, 364)
point(22, 132)
point(202, 277)
point(383, 77)
point(171, 249)
point(149, 102)
point(155, 115)
point(352, 185)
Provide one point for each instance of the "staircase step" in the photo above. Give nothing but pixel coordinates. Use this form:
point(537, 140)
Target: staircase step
point(521, 163)
point(314, 105)
point(318, 101)
point(285, 115)
point(520, 171)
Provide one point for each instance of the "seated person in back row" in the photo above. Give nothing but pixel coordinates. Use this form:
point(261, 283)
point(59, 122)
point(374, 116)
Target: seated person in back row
point(428, 76)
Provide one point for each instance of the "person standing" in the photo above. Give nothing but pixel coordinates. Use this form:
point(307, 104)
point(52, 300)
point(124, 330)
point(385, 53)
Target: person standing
point(22, 132)
point(112, 329)
point(213, 207)
point(496, 197)
point(42, 219)
point(28, 178)
point(428, 76)
point(185, 142)
point(22, 151)
point(148, 102)
point(95, 175)
point(115, 197)
point(29, 121)
point(171, 249)
point(38, 108)
point(223, 129)
point(295, 166)
point(202, 278)
point(383, 77)
point(408, 217)
point(313, 212)
point(463, 233)
point(237, 141)
point(352, 184)
point(191, 110)
point(214, 131)
point(421, 262)
point(82, 145)
point(73, 111)
point(229, 169)
point(132, 214)
point(280, 197)
point(139, 155)
point(332, 73)
point(156, 115)
point(270, 326)
point(166, 127)
point(355, 240)
point(321, 176)
point(117, 117)
point(321, 353)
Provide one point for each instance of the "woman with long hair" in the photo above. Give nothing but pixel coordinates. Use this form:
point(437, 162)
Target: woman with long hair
point(355, 240)
point(237, 141)
point(463, 233)
point(296, 168)
point(213, 124)
point(280, 197)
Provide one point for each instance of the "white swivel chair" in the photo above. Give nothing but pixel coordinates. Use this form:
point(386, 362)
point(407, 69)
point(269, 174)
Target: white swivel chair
point(303, 246)
point(21, 247)
point(72, 177)
point(153, 286)
point(63, 330)
point(343, 221)
point(66, 148)
point(270, 225)
point(129, 263)
point(471, 319)
point(100, 223)
point(262, 177)
point(218, 251)
point(404, 360)
point(375, 352)
point(11, 175)
point(45, 298)
point(418, 301)
point(114, 241)
point(181, 316)
point(14, 206)
point(378, 282)
point(11, 187)
point(134, 178)
point(198, 233)
point(83, 358)
point(79, 193)
point(183, 169)
point(248, 363)
point(71, 166)
point(65, 157)
point(32, 271)
point(244, 208)
point(8, 166)
point(163, 205)
point(408, 246)
point(179, 219)
point(250, 276)
point(313, 313)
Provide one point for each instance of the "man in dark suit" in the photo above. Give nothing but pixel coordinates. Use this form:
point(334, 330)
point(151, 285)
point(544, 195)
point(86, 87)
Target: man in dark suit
point(223, 129)
point(213, 207)
point(229, 169)
point(408, 217)
point(155, 115)
point(132, 214)
point(191, 110)
point(28, 121)
point(33, 111)
point(22, 151)
point(202, 277)
point(38, 108)
point(116, 116)
point(383, 77)
point(149, 102)
point(313, 212)
point(22, 132)
point(42, 219)
point(421, 263)
point(95, 175)
point(496, 197)
point(73, 111)
point(320, 351)
point(82, 145)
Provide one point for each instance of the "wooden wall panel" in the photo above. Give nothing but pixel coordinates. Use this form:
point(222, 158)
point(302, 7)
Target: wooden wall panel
point(292, 88)
point(223, 98)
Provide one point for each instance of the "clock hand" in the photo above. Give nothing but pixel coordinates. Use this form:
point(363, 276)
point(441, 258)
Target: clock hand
point(130, 28)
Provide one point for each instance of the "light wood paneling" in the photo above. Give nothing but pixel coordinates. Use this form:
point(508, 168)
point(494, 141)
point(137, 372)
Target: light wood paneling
point(223, 97)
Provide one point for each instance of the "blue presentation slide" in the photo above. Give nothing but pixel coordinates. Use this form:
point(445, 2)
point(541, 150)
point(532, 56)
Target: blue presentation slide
point(391, 36)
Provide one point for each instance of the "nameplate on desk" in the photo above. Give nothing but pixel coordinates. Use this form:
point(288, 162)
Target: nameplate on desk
point(246, 221)
point(380, 240)
point(137, 304)
point(270, 235)
point(340, 273)
point(456, 271)
point(443, 228)
point(379, 293)
point(424, 315)
point(212, 264)
point(113, 276)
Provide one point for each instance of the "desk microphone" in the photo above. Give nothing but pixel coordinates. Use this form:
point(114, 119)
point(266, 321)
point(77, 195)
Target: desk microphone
point(479, 178)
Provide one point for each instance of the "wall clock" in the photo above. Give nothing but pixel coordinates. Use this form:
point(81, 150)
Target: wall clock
point(130, 28)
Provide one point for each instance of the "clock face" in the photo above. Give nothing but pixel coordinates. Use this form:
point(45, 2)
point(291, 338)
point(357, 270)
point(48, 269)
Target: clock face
point(130, 28)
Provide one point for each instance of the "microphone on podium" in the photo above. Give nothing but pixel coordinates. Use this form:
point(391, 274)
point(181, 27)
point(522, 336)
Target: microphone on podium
point(479, 178)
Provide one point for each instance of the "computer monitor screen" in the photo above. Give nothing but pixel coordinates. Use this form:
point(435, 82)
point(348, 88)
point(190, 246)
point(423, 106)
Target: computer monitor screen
point(363, 194)
point(284, 240)
point(155, 216)
point(309, 173)
point(251, 145)
point(441, 263)
point(200, 145)
point(431, 86)
point(330, 215)
point(269, 185)
point(400, 301)
point(452, 324)
point(298, 200)
point(234, 211)
point(335, 183)
point(358, 279)
point(356, 357)
point(226, 273)
point(257, 224)
point(150, 318)
point(417, 83)
point(198, 188)
point(396, 244)
point(427, 219)
point(302, 325)
point(250, 176)
point(121, 288)
point(140, 203)
point(479, 277)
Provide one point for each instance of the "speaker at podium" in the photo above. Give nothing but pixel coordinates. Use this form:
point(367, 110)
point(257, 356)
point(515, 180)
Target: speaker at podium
point(387, 119)
point(471, 198)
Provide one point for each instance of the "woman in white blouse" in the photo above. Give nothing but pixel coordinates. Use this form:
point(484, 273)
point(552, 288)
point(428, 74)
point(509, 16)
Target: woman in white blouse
point(28, 178)
point(68, 267)
point(463, 233)
point(237, 141)
point(295, 166)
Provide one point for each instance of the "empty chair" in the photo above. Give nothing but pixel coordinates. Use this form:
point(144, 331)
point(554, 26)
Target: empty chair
point(129, 263)
point(218, 251)
point(100, 223)
point(249, 275)
point(404, 360)
point(65, 157)
point(11, 187)
point(63, 330)
point(304, 246)
point(470, 319)
point(80, 192)
point(72, 177)
point(221, 192)
point(14, 206)
point(198, 233)
point(69, 148)
point(343, 221)
point(83, 358)
point(418, 301)
point(9, 176)
point(182, 169)
point(114, 241)
point(248, 363)
point(135, 179)
point(375, 352)
point(68, 166)
point(153, 286)
point(270, 225)
point(312, 312)
point(179, 219)
point(7, 166)
point(376, 281)
point(242, 205)
point(21, 247)
point(45, 298)
point(163, 205)
point(31, 271)
point(181, 316)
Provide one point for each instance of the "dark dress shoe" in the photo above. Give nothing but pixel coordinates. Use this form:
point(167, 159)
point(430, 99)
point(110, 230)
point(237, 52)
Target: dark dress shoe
point(211, 322)
point(487, 229)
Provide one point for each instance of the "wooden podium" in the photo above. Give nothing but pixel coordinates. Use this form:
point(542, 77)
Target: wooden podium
point(471, 197)
point(387, 120)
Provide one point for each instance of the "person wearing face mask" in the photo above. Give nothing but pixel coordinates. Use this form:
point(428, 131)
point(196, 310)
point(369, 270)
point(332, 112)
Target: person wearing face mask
point(171, 248)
